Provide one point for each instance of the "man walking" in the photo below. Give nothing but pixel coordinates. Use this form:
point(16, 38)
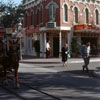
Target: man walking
point(48, 49)
point(85, 52)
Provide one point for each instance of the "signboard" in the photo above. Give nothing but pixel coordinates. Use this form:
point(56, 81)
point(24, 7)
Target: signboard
point(51, 24)
point(9, 31)
point(86, 27)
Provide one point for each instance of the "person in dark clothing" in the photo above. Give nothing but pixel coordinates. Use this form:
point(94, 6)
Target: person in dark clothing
point(64, 54)
point(85, 52)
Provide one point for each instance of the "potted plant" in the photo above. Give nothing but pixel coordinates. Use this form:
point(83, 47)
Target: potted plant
point(37, 47)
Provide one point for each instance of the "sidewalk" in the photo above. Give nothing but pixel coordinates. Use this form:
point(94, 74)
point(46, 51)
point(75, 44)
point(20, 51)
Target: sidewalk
point(27, 59)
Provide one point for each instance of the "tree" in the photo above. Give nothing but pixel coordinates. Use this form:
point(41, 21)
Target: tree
point(74, 46)
point(10, 13)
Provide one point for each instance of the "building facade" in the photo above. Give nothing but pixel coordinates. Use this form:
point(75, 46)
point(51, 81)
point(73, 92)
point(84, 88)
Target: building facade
point(59, 21)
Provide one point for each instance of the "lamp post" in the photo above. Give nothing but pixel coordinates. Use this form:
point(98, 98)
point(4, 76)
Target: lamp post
point(19, 35)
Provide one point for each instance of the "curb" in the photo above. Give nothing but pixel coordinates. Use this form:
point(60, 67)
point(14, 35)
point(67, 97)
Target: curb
point(96, 73)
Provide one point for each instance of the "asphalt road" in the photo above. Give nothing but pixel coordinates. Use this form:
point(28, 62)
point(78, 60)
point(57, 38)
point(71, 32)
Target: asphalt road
point(48, 79)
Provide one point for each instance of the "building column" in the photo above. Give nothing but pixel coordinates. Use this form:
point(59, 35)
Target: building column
point(44, 45)
point(41, 45)
point(60, 43)
point(31, 44)
point(26, 44)
point(70, 35)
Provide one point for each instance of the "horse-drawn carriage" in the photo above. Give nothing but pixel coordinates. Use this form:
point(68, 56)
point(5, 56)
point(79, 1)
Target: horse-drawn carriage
point(11, 61)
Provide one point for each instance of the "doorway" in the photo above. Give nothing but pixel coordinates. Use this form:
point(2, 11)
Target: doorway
point(92, 40)
point(55, 46)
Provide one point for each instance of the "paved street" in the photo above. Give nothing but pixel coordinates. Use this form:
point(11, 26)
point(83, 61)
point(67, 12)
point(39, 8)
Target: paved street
point(47, 79)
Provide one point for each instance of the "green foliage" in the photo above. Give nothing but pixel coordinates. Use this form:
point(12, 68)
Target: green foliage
point(74, 45)
point(10, 13)
point(37, 45)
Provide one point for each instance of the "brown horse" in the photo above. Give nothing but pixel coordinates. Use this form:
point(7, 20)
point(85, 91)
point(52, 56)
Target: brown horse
point(12, 61)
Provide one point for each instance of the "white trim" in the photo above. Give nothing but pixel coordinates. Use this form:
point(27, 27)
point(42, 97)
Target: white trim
point(97, 2)
point(52, 2)
point(97, 9)
point(57, 28)
point(87, 8)
point(64, 13)
point(66, 4)
point(76, 7)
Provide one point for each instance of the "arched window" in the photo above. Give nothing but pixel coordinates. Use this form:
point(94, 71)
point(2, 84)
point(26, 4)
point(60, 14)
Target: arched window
point(38, 17)
point(26, 20)
point(41, 14)
point(86, 16)
point(76, 15)
point(52, 12)
point(32, 18)
point(65, 13)
point(96, 17)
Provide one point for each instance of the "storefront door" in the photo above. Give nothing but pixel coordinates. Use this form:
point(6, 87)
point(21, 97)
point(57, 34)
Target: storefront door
point(56, 47)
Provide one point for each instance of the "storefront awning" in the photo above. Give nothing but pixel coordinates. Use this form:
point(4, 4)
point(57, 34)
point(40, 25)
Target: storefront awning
point(86, 28)
point(31, 30)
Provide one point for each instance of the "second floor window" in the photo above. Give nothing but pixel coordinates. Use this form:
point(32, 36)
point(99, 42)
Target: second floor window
point(52, 12)
point(26, 20)
point(65, 13)
point(41, 15)
point(38, 17)
point(96, 17)
point(86, 16)
point(32, 18)
point(75, 15)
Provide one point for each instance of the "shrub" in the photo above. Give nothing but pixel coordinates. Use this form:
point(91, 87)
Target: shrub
point(74, 46)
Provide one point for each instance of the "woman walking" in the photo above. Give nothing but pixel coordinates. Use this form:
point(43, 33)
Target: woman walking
point(64, 54)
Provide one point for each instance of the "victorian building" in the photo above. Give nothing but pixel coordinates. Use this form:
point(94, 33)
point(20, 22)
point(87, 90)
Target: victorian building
point(59, 21)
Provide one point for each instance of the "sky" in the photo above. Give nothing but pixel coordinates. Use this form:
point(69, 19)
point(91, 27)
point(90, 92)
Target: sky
point(15, 1)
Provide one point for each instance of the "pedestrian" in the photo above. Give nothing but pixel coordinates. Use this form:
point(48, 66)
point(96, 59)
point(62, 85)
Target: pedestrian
point(48, 48)
point(64, 54)
point(85, 52)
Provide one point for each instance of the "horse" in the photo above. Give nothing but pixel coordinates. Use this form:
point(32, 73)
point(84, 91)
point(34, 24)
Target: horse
point(12, 61)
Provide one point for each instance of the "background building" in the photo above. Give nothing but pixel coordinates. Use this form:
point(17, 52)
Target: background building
point(59, 21)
